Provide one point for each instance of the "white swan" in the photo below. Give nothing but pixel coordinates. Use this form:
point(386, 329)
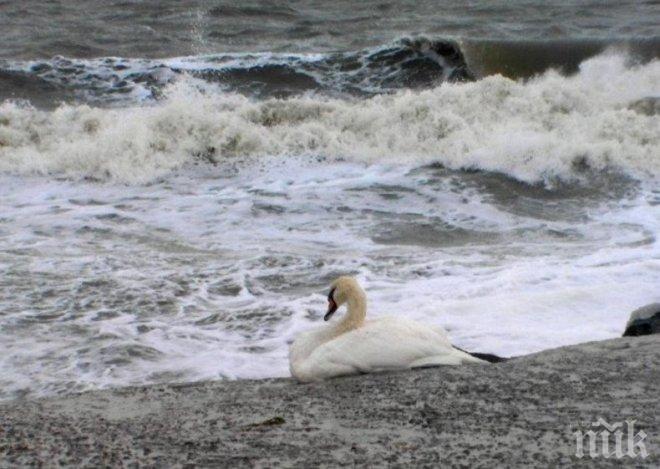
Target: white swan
point(354, 346)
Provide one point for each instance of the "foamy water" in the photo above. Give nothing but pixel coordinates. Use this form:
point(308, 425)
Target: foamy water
point(535, 131)
point(194, 236)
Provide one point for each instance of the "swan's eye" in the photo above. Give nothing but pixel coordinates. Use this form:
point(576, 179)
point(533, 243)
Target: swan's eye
point(331, 295)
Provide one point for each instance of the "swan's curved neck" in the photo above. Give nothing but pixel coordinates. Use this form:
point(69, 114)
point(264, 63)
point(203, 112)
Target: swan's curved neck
point(357, 310)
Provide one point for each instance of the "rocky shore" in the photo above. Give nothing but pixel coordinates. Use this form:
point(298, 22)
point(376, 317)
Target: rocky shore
point(520, 413)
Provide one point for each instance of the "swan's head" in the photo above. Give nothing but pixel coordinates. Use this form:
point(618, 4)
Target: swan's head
point(342, 290)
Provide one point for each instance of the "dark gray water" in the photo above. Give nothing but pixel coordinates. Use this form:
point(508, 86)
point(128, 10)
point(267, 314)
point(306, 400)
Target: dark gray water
point(368, 47)
point(155, 28)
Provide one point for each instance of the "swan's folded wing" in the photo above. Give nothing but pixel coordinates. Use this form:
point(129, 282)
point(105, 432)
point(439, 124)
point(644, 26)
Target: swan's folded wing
point(388, 344)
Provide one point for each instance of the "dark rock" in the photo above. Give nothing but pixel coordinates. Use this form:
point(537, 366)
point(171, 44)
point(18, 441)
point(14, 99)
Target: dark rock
point(644, 321)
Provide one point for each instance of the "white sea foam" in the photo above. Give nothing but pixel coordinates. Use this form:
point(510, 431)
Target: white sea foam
point(538, 130)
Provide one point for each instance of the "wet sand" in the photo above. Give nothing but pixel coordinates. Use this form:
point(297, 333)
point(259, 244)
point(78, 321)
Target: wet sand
point(519, 413)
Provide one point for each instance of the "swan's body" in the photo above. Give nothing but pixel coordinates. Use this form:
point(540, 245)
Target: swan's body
point(355, 346)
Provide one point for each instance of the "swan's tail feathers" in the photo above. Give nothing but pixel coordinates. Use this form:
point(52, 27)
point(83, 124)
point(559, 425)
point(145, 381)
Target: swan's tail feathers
point(487, 357)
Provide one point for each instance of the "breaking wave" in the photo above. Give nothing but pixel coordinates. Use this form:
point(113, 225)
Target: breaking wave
point(406, 63)
point(602, 118)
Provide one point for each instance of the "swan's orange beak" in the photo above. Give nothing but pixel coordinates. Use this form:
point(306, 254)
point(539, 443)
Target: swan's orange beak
point(332, 307)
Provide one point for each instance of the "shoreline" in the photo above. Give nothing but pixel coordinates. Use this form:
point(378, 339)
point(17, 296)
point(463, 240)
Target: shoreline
point(520, 412)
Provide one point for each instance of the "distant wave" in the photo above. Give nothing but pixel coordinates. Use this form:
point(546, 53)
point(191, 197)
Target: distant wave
point(408, 63)
point(603, 118)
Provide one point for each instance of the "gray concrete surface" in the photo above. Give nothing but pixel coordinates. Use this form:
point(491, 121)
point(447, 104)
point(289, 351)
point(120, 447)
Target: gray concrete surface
point(519, 413)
